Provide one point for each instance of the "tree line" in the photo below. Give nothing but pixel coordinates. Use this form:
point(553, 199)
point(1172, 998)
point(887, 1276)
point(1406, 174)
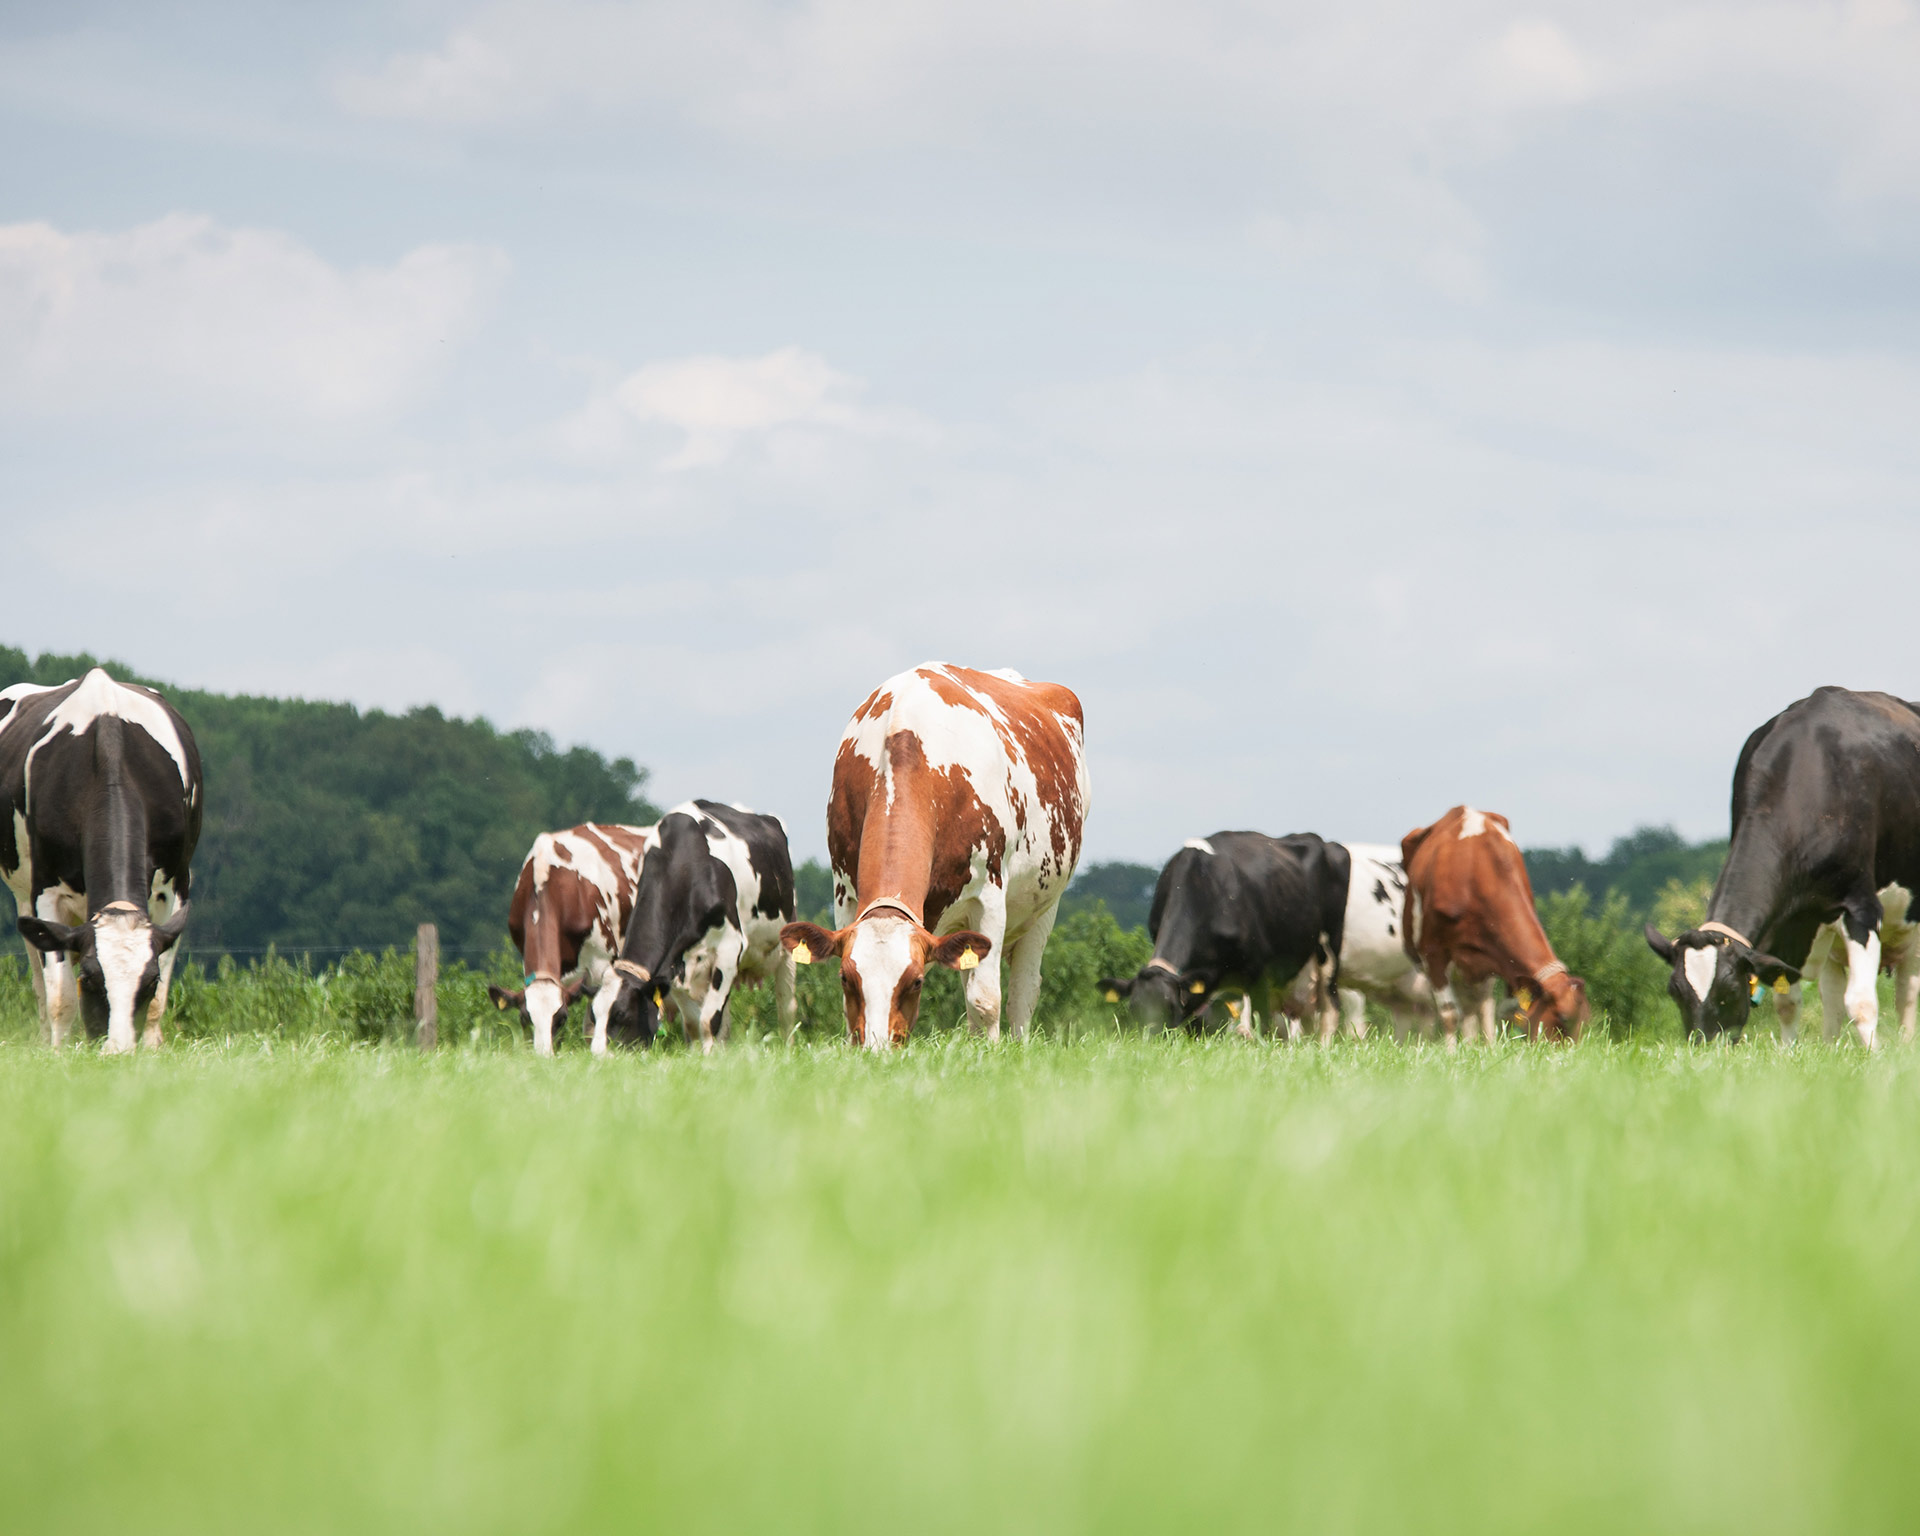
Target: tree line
point(330, 828)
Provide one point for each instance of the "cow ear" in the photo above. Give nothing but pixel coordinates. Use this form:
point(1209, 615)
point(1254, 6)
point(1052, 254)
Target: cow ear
point(963, 951)
point(167, 934)
point(1410, 842)
point(503, 999)
point(809, 943)
point(1659, 943)
point(1773, 972)
point(56, 938)
point(1115, 989)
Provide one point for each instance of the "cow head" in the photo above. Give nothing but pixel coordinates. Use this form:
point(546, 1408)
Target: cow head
point(1559, 1009)
point(1160, 998)
point(1717, 979)
point(633, 1018)
point(542, 1003)
point(116, 960)
point(883, 960)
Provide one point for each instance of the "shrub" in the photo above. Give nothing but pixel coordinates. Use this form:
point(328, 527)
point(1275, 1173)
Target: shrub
point(1626, 983)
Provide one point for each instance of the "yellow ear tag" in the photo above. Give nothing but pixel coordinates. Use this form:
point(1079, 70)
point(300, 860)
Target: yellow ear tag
point(1233, 1010)
point(967, 961)
point(1112, 996)
point(1197, 988)
point(1782, 985)
point(500, 1003)
point(802, 954)
point(659, 998)
point(1524, 998)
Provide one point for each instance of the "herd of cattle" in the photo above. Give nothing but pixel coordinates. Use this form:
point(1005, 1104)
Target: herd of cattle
point(954, 825)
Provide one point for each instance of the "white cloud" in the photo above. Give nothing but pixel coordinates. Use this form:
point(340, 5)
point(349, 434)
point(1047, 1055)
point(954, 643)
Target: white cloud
point(185, 318)
point(1538, 61)
point(1321, 131)
point(719, 404)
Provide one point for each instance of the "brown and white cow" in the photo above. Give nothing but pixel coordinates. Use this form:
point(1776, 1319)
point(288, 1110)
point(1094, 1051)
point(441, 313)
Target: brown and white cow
point(569, 913)
point(1470, 918)
point(953, 827)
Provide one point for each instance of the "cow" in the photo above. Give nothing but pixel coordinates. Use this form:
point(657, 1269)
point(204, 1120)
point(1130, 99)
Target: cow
point(953, 827)
point(716, 888)
point(102, 811)
point(1820, 873)
point(1470, 920)
point(1373, 962)
point(570, 908)
point(1240, 913)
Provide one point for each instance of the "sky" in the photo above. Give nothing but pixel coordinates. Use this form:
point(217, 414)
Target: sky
point(1363, 407)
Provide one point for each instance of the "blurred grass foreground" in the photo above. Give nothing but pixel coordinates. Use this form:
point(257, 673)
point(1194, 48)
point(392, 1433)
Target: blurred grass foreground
point(296, 1285)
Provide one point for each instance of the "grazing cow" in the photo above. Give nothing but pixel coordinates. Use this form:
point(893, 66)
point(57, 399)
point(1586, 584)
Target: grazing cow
point(953, 827)
point(1470, 919)
point(1373, 962)
point(1820, 874)
point(1244, 913)
point(715, 890)
point(570, 908)
point(102, 811)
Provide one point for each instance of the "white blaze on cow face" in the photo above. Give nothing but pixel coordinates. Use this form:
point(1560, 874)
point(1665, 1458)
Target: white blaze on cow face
point(880, 954)
point(1699, 966)
point(543, 1007)
point(123, 944)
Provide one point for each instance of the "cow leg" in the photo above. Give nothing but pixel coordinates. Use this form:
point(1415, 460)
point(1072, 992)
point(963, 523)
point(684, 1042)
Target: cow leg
point(1483, 1012)
point(1326, 1010)
point(1449, 1007)
point(983, 981)
point(1863, 987)
point(599, 1009)
point(1353, 1009)
point(1906, 990)
point(786, 1007)
point(1023, 971)
point(63, 999)
point(157, 1009)
point(714, 1017)
point(1786, 1008)
point(1833, 984)
point(1255, 1003)
point(39, 980)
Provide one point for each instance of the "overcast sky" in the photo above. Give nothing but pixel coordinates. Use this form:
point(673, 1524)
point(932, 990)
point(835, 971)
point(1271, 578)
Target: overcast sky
point(1364, 407)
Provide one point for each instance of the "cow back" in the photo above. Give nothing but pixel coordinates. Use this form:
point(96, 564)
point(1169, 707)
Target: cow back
point(948, 779)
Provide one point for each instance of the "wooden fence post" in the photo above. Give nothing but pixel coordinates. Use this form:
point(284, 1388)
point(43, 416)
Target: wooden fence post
point(426, 980)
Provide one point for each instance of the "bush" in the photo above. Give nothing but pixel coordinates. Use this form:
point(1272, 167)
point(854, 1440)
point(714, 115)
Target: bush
point(1626, 983)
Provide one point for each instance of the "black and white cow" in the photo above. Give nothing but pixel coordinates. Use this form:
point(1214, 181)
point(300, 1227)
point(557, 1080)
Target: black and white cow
point(102, 810)
point(1239, 913)
point(1820, 873)
point(716, 888)
point(1374, 963)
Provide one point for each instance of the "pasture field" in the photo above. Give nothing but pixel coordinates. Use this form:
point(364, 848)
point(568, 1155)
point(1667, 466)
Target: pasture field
point(1117, 1284)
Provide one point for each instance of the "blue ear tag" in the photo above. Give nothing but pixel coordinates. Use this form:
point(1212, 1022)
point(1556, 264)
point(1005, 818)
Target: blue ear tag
point(527, 980)
point(1755, 993)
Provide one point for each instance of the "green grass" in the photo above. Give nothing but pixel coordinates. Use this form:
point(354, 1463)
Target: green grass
point(1117, 1285)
